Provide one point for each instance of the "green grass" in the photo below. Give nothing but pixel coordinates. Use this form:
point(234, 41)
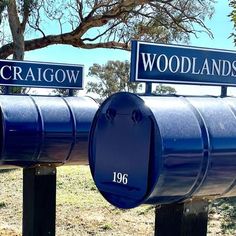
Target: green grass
point(2, 204)
point(226, 208)
point(75, 186)
point(81, 210)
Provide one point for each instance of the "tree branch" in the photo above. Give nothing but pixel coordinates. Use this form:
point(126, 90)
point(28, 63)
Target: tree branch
point(26, 13)
point(66, 39)
point(118, 22)
point(16, 30)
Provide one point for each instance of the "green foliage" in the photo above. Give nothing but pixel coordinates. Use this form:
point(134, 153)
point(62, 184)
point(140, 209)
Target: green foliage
point(226, 208)
point(170, 21)
point(2, 204)
point(106, 227)
point(110, 78)
point(63, 92)
point(14, 90)
point(232, 15)
point(101, 23)
point(114, 77)
point(3, 4)
point(164, 90)
point(92, 24)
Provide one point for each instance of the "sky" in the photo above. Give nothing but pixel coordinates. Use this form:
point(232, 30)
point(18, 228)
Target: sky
point(220, 25)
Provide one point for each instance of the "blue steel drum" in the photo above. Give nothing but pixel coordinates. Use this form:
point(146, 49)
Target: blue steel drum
point(39, 129)
point(161, 150)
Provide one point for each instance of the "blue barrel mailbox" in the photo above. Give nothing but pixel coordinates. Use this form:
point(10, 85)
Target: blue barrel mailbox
point(39, 129)
point(161, 150)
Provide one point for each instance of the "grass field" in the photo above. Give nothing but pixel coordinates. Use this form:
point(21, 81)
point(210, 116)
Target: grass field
point(81, 210)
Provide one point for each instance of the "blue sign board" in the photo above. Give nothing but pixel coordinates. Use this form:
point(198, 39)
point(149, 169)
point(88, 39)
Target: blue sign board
point(37, 74)
point(182, 64)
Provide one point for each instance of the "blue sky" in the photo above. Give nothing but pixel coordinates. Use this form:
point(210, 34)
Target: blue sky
point(220, 25)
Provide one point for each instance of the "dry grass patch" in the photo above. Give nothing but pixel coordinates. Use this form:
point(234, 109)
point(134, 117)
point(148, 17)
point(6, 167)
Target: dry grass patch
point(81, 210)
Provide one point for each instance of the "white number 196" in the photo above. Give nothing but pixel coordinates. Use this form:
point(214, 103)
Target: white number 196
point(120, 178)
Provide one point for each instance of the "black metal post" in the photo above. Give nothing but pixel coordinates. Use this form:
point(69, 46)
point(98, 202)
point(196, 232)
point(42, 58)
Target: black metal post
point(223, 91)
point(148, 88)
point(39, 201)
point(71, 92)
point(184, 219)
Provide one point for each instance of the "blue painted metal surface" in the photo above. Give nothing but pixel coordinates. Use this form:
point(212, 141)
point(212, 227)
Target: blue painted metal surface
point(38, 129)
point(151, 62)
point(160, 150)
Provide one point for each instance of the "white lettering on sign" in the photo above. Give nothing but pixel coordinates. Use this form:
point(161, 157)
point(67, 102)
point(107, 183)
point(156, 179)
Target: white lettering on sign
point(30, 74)
point(162, 60)
point(148, 61)
point(174, 67)
point(120, 178)
point(49, 75)
point(17, 73)
point(4, 71)
point(183, 64)
point(72, 76)
point(60, 79)
point(205, 68)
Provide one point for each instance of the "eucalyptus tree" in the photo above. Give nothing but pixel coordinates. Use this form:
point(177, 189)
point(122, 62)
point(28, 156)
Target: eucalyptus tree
point(110, 78)
point(114, 77)
point(232, 15)
point(27, 25)
point(33, 24)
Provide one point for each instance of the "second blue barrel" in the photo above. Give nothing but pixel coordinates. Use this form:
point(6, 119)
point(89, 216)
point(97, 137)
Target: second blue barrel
point(42, 129)
point(160, 150)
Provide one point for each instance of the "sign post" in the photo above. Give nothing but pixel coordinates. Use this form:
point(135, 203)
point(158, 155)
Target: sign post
point(39, 201)
point(39, 181)
point(176, 64)
point(181, 219)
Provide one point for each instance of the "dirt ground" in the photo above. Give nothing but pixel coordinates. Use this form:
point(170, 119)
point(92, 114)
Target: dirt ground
point(81, 210)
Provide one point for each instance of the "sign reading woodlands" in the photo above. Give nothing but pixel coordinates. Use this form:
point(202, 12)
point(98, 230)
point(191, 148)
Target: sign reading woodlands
point(32, 74)
point(181, 64)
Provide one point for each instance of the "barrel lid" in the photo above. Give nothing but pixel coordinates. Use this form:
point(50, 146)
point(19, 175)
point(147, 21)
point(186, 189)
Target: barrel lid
point(120, 150)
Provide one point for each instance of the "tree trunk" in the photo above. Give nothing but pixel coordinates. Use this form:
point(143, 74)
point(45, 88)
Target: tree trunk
point(16, 31)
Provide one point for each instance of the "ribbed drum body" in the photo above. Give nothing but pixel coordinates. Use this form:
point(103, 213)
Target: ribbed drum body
point(163, 149)
point(40, 129)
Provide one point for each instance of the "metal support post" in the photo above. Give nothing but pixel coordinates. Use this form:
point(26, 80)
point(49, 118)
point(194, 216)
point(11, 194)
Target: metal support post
point(39, 201)
point(223, 91)
point(71, 92)
point(148, 88)
point(182, 219)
